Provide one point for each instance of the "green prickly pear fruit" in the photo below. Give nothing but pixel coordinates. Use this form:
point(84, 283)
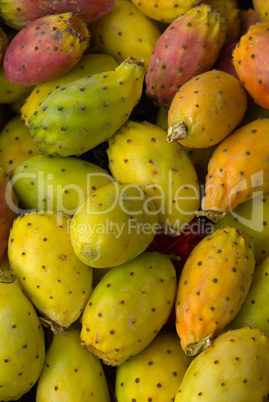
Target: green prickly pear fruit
point(254, 311)
point(114, 225)
point(11, 92)
point(16, 144)
point(129, 307)
point(81, 115)
point(22, 354)
point(211, 99)
point(42, 258)
point(46, 48)
point(234, 368)
point(139, 153)
point(89, 64)
point(71, 373)
point(155, 373)
point(212, 287)
point(251, 217)
point(125, 32)
point(60, 183)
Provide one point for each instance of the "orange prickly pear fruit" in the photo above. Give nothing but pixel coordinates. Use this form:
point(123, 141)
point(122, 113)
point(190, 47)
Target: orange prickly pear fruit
point(165, 10)
point(213, 285)
point(189, 46)
point(250, 59)
point(238, 169)
point(46, 49)
point(213, 99)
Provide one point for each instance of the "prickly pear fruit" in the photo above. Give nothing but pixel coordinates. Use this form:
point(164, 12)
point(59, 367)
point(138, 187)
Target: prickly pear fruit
point(16, 144)
point(22, 338)
point(251, 217)
point(229, 10)
point(189, 46)
point(11, 92)
point(3, 44)
point(254, 310)
point(129, 307)
point(139, 153)
point(125, 32)
point(235, 367)
point(8, 211)
point(212, 287)
point(46, 49)
point(71, 373)
point(209, 100)
point(19, 13)
point(89, 64)
point(248, 17)
point(115, 224)
point(250, 58)
point(43, 260)
point(262, 9)
point(155, 373)
point(63, 184)
point(165, 10)
point(81, 115)
point(238, 169)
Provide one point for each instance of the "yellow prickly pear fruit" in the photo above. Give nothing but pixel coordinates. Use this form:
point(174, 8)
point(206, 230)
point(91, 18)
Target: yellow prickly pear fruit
point(22, 353)
point(238, 169)
point(125, 32)
point(139, 153)
point(206, 109)
point(42, 258)
point(89, 64)
point(213, 285)
point(114, 225)
point(71, 373)
point(16, 144)
point(164, 10)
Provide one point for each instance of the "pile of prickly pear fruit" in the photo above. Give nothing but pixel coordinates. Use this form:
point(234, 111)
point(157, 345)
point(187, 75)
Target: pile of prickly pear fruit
point(134, 200)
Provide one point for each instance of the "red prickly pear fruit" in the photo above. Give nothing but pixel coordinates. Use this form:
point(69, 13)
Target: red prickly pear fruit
point(189, 46)
point(46, 49)
point(248, 17)
point(19, 13)
point(250, 59)
point(8, 211)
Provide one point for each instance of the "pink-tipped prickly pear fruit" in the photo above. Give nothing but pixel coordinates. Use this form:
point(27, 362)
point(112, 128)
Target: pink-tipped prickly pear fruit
point(46, 49)
point(19, 13)
point(189, 46)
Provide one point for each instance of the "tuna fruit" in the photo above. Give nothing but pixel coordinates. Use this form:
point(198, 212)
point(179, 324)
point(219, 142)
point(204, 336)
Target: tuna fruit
point(250, 58)
point(19, 13)
point(8, 211)
point(22, 354)
point(16, 144)
point(189, 46)
point(82, 114)
point(238, 169)
point(234, 368)
point(125, 32)
point(114, 225)
point(63, 184)
point(71, 373)
point(163, 10)
point(209, 100)
point(212, 287)
point(46, 49)
point(42, 258)
point(155, 373)
point(139, 153)
point(129, 307)
point(251, 217)
point(254, 311)
point(89, 64)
